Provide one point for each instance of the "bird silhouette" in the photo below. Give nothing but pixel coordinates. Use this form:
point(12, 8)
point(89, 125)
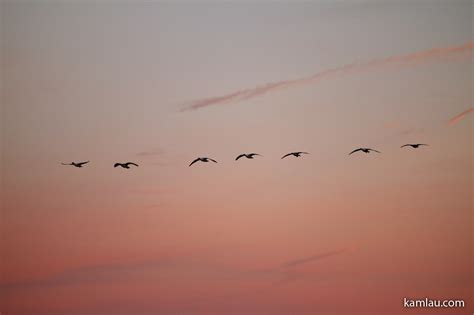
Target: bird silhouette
point(414, 146)
point(365, 150)
point(76, 164)
point(202, 159)
point(296, 154)
point(248, 156)
point(125, 165)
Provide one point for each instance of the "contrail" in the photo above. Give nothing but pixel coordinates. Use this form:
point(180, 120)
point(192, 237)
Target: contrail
point(460, 116)
point(416, 57)
point(313, 258)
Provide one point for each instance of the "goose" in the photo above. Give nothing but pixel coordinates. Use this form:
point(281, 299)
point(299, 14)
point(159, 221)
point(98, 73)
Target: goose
point(248, 156)
point(414, 146)
point(296, 154)
point(202, 159)
point(125, 165)
point(76, 164)
point(365, 150)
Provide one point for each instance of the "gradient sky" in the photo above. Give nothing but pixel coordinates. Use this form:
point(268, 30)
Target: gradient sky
point(323, 234)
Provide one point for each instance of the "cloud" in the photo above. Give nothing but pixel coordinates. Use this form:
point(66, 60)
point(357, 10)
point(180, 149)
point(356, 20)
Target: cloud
point(89, 274)
point(117, 272)
point(460, 116)
point(413, 58)
point(401, 129)
point(313, 258)
point(411, 131)
point(151, 153)
point(149, 190)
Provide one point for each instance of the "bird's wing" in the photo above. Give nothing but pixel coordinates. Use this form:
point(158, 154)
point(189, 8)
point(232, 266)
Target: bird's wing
point(405, 145)
point(255, 154)
point(375, 150)
point(212, 160)
point(284, 156)
point(198, 159)
point(423, 144)
point(303, 152)
point(131, 163)
point(355, 151)
point(82, 163)
point(239, 156)
point(66, 163)
point(117, 164)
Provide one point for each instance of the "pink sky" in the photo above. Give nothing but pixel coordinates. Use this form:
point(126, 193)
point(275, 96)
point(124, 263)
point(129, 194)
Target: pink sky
point(326, 233)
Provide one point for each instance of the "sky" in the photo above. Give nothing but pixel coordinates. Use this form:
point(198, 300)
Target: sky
point(161, 83)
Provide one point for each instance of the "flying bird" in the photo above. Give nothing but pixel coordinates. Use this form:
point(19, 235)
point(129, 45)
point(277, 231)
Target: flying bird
point(202, 159)
point(248, 156)
point(365, 150)
point(125, 165)
point(296, 154)
point(414, 146)
point(76, 164)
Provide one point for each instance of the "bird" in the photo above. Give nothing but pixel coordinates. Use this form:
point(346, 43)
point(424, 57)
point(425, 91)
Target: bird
point(414, 146)
point(125, 165)
point(296, 154)
point(365, 150)
point(76, 164)
point(202, 159)
point(248, 156)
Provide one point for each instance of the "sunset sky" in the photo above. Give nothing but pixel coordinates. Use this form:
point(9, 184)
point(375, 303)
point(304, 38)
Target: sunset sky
point(161, 83)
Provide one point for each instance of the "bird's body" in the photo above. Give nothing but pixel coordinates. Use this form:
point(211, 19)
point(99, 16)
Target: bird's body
point(125, 165)
point(296, 154)
point(248, 156)
point(365, 150)
point(202, 159)
point(76, 164)
point(413, 145)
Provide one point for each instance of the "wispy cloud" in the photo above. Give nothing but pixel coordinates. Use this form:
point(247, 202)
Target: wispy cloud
point(151, 153)
point(413, 58)
point(316, 257)
point(401, 129)
point(150, 190)
point(460, 116)
point(119, 272)
point(89, 274)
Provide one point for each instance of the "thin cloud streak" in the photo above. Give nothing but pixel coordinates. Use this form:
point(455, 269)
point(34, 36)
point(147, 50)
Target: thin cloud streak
point(150, 153)
point(413, 58)
point(119, 272)
point(460, 116)
point(89, 274)
point(313, 258)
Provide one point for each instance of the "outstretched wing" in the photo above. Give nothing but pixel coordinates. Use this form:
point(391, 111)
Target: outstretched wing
point(355, 151)
point(303, 152)
point(66, 163)
point(406, 145)
point(284, 156)
point(131, 163)
point(375, 150)
point(212, 160)
point(117, 164)
point(423, 144)
point(239, 156)
point(82, 163)
point(198, 159)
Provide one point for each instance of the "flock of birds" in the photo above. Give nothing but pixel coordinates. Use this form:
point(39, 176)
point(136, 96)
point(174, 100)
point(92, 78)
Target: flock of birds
point(247, 155)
